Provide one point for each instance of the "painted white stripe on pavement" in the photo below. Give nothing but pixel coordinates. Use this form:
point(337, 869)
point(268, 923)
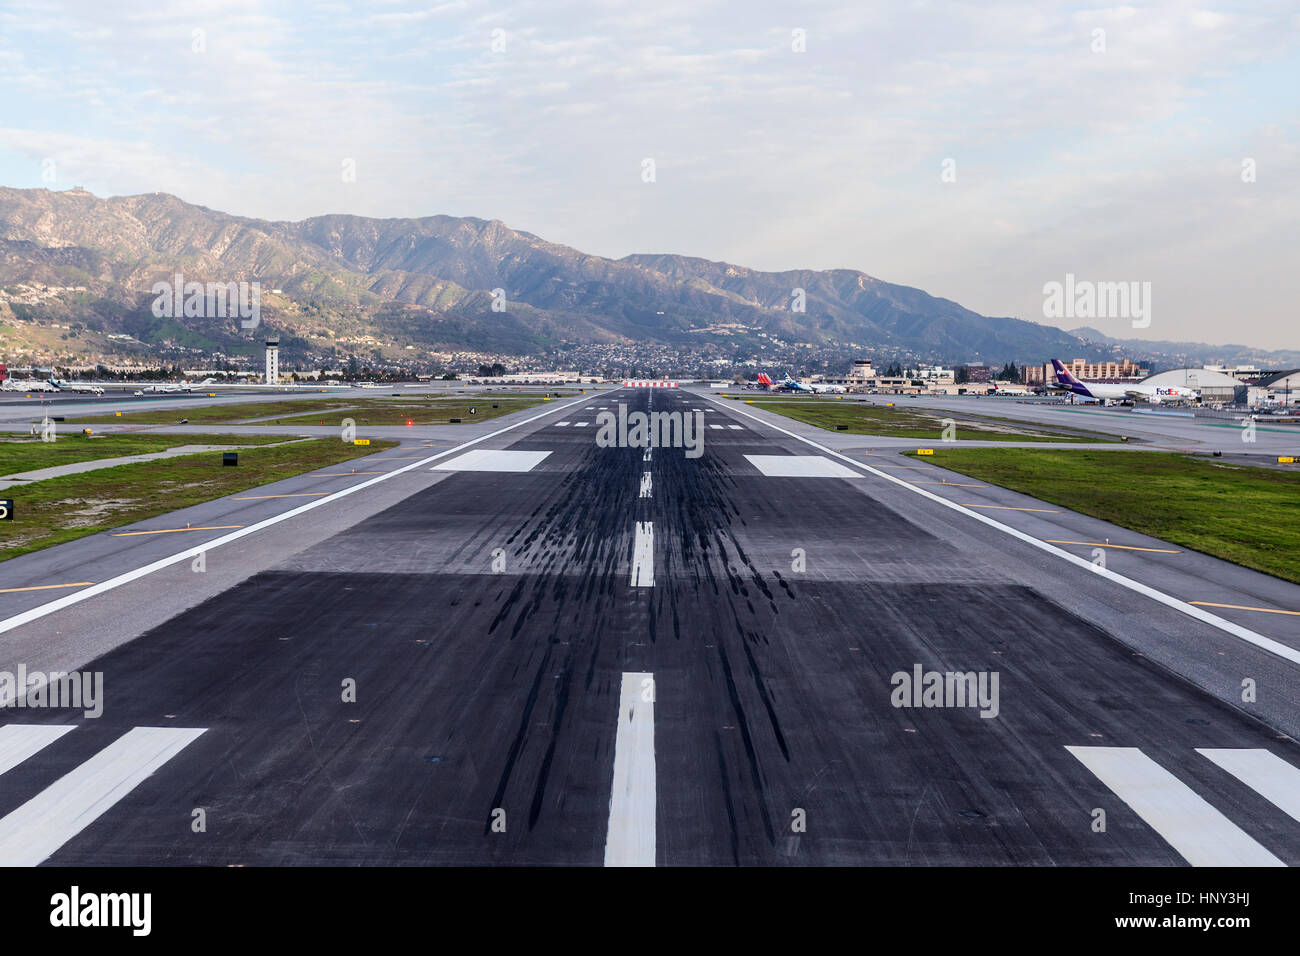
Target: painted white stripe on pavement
point(643, 556)
point(1203, 835)
point(1228, 627)
point(630, 839)
point(736, 427)
point(58, 813)
point(646, 456)
point(1264, 772)
point(646, 486)
point(32, 614)
point(561, 424)
point(20, 741)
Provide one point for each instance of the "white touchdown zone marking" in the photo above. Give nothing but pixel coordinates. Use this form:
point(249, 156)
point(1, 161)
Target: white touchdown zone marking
point(630, 838)
point(37, 829)
point(643, 555)
point(1228, 627)
point(127, 577)
point(20, 741)
point(1203, 835)
point(1264, 772)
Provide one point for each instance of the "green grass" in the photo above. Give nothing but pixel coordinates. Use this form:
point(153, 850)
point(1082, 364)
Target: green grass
point(364, 411)
point(906, 422)
point(418, 414)
point(56, 510)
point(1240, 513)
point(69, 447)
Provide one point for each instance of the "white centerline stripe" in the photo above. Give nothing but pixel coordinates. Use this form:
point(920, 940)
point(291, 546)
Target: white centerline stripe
point(32, 614)
point(647, 486)
point(20, 741)
point(58, 813)
point(643, 556)
point(1228, 627)
point(646, 456)
point(1264, 772)
point(1203, 835)
point(630, 839)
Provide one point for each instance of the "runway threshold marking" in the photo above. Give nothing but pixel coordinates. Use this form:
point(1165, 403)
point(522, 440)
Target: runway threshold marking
point(1223, 624)
point(643, 556)
point(1264, 772)
point(212, 527)
point(35, 613)
point(30, 834)
point(630, 837)
point(1201, 834)
point(1121, 547)
point(47, 587)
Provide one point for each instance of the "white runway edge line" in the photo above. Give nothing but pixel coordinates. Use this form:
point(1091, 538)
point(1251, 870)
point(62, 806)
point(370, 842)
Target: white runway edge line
point(1228, 627)
point(34, 831)
point(8, 624)
point(630, 839)
point(1200, 833)
point(1264, 772)
point(643, 555)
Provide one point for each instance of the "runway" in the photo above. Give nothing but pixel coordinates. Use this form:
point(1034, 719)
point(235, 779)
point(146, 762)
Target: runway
point(534, 650)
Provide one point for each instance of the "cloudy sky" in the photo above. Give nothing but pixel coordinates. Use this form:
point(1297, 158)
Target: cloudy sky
point(1112, 143)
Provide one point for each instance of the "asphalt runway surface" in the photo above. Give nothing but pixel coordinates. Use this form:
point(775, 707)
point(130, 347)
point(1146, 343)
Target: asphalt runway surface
point(601, 656)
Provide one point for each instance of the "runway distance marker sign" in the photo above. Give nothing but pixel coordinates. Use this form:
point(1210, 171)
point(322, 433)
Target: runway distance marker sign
point(361, 441)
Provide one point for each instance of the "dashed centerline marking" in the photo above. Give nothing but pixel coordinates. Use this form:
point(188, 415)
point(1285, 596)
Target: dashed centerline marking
point(47, 587)
point(643, 556)
point(630, 837)
point(211, 527)
point(1121, 547)
point(647, 486)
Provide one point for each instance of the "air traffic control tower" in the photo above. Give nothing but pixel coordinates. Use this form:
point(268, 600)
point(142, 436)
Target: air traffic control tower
point(273, 360)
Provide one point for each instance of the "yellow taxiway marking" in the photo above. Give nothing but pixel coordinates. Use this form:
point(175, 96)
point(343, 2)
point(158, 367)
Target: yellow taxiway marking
point(959, 484)
point(305, 494)
point(1121, 547)
point(349, 474)
point(1046, 511)
point(206, 527)
point(47, 587)
point(1243, 607)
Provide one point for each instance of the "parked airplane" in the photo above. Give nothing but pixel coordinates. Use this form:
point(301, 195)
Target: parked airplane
point(790, 385)
point(1147, 393)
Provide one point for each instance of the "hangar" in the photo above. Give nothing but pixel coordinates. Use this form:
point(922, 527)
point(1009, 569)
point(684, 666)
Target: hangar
point(1213, 386)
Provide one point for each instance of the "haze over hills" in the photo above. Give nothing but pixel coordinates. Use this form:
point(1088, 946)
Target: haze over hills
point(340, 285)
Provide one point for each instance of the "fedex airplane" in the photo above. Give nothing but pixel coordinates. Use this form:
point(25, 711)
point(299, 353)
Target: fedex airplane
point(791, 385)
point(1147, 393)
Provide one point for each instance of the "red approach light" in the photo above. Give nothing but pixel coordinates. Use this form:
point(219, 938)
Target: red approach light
point(409, 422)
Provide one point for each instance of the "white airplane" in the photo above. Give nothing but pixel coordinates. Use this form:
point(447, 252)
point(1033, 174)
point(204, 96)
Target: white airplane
point(65, 386)
point(13, 385)
point(1148, 393)
point(792, 385)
